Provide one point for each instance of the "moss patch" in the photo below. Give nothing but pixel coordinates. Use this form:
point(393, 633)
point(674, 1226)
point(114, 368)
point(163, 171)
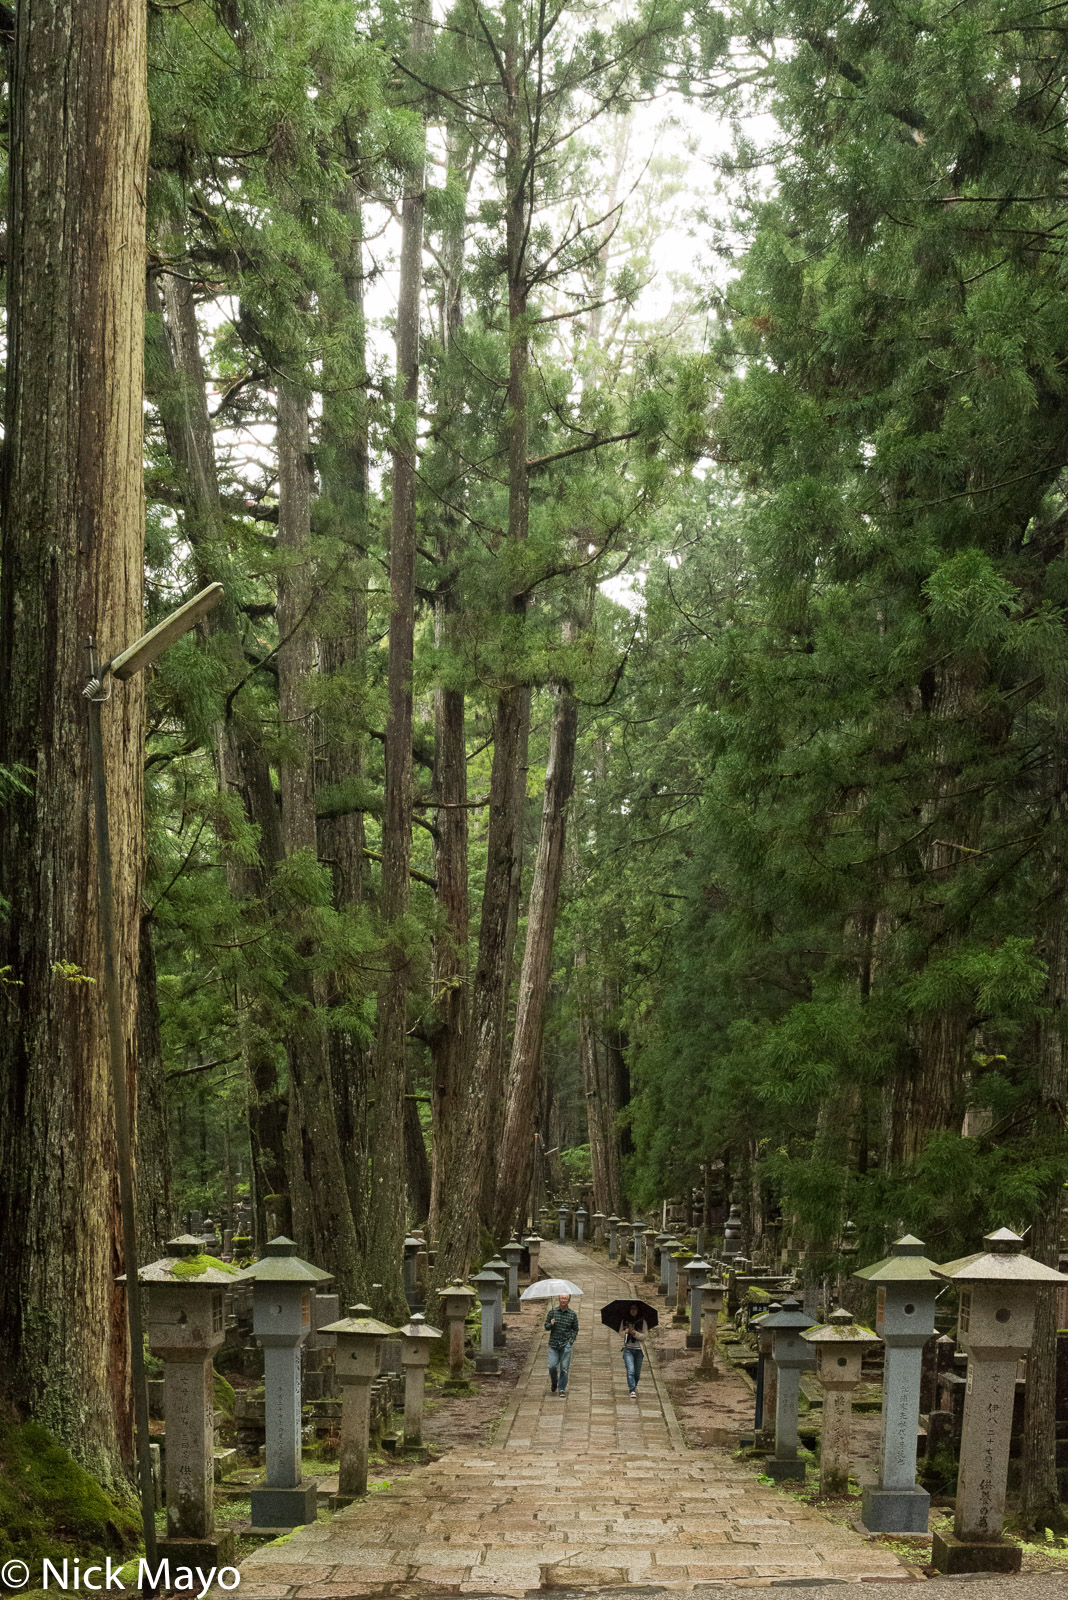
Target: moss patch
point(50, 1506)
point(196, 1266)
point(223, 1395)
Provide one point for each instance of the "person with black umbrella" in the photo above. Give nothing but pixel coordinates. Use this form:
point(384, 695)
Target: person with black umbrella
point(633, 1319)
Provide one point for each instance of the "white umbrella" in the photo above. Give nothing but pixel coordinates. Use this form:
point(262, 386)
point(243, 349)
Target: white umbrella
point(549, 1288)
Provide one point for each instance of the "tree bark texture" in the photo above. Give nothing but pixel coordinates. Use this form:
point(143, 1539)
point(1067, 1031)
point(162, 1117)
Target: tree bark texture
point(71, 547)
point(318, 1186)
point(516, 1159)
point(387, 1205)
point(155, 1216)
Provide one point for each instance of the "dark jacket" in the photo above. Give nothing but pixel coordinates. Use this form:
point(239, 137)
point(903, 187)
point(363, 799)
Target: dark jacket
point(566, 1330)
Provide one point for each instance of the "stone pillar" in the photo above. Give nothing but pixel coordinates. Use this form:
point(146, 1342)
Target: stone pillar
point(359, 1340)
point(186, 1325)
point(562, 1214)
point(613, 1237)
point(791, 1355)
point(495, 1264)
point(995, 1325)
point(456, 1301)
point(649, 1237)
point(411, 1248)
point(711, 1306)
point(907, 1286)
point(418, 1337)
point(487, 1284)
point(839, 1350)
point(637, 1265)
point(580, 1224)
point(511, 1253)
point(599, 1220)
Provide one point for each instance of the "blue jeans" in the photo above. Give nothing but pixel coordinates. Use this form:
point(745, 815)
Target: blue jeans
point(559, 1366)
point(633, 1356)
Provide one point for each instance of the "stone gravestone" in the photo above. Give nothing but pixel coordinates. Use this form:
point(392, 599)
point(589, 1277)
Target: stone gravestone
point(283, 1287)
point(186, 1325)
point(697, 1272)
point(907, 1286)
point(839, 1347)
point(999, 1289)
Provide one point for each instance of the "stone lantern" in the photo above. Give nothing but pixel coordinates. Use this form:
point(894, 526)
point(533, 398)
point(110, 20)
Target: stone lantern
point(580, 1225)
point(511, 1253)
point(599, 1220)
point(904, 1319)
point(487, 1284)
point(561, 1212)
point(412, 1246)
point(791, 1355)
point(282, 1290)
point(495, 1264)
point(649, 1237)
point(456, 1301)
point(533, 1243)
point(359, 1348)
point(767, 1379)
point(663, 1240)
point(186, 1325)
point(613, 1237)
point(839, 1350)
point(711, 1306)
point(677, 1297)
point(418, 1336)
point(995, 1325)
point(637, 1265)
point(696, 1276)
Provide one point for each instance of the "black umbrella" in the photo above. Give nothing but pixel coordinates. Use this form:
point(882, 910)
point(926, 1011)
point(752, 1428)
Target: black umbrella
point(613, 1314)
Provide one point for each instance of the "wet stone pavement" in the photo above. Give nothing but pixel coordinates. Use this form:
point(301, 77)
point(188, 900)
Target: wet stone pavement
point(590, 1490)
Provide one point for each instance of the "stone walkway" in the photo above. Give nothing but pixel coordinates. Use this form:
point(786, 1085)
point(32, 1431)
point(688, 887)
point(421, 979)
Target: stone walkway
point(586, 1491)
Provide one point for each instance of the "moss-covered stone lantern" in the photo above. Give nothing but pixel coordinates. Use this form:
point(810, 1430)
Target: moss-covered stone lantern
point(186, 1325)
point(999, 1288)
point(457, 1299)
point(839, 1349)
point(359, 1350)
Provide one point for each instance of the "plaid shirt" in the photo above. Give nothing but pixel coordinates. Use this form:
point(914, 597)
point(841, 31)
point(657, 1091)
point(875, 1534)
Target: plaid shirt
point(566, 1331)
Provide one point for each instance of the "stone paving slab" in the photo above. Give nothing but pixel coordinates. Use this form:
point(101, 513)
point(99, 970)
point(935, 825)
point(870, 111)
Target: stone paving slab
point(589, 1491)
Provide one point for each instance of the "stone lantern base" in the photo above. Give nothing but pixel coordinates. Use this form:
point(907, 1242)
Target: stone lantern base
point(276, 1511)
point(780, 1467)
point(489, 1366)
point(215, 1551)
point(950, 1554)
point(895, 1510)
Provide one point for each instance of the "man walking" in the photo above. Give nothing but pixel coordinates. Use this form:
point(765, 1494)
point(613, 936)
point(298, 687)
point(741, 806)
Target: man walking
point(563, 1331)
